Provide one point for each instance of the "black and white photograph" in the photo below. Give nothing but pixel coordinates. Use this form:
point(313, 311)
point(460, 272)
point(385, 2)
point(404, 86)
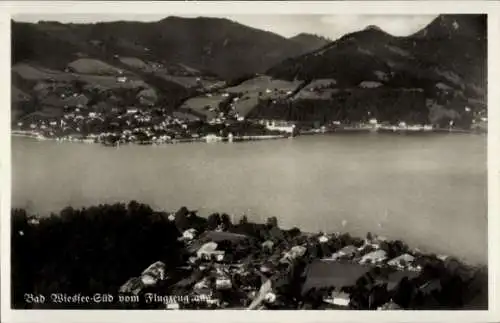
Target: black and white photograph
point(246, 161)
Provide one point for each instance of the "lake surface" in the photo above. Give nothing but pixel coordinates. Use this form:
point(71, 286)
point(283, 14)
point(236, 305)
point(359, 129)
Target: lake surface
point(429, 190)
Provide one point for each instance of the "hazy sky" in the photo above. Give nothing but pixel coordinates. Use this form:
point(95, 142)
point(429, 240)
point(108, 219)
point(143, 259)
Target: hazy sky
point(331, 26)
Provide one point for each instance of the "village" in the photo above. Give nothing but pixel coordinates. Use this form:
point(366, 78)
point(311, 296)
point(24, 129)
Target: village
point(260, 266)
point(154, 126)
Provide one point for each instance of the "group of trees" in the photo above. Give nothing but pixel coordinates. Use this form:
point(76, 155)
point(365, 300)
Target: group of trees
point(89, 250)
point(352, 105)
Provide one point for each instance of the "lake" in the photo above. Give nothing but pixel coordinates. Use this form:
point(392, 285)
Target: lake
point(428, 189)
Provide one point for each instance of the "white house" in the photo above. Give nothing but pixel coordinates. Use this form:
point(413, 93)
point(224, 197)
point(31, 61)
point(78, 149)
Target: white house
point(347, 251)
point(338, 298)
point(212, 138)
point(402, 261)
point(154, 273)
point(280, 126)
point(374, 257)
point(189, 234)
point(223, 283)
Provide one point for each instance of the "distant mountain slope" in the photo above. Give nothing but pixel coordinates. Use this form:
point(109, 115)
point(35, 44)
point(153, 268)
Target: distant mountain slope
point(224, 47)
point(446, 60)
point(450, 44)
point(175, 58)
point(309, 41)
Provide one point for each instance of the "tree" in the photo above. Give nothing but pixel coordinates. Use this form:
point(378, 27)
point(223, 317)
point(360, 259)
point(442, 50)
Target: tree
point(181, 219)
point(213, 221)
point(272, 222)
point(226, 221)
point(244, 220)
point(94, 250)
point(78, 85)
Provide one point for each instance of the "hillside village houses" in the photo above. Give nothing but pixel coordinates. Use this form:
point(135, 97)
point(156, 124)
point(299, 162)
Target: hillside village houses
point(143, 124)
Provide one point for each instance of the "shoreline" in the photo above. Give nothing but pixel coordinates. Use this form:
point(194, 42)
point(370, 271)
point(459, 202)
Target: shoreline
point(235, 139)
point(36, 136)
point(414, 247)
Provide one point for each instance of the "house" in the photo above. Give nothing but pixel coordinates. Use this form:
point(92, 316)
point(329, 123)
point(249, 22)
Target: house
point(210, 239)
point(401, 261)
point(132, 110)
point(189, 234)
point(389, 306)
point(209, 251)
point(280, 126)
point(346, 252)
point(212, 138)
point(268, 245)
point(151, 275)
point(223, 283)
point(338, 298)
point(294, 253)
point(323, 239)
point(374, 257)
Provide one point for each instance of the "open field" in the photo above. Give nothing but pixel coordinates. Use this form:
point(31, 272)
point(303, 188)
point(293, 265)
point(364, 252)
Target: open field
point(34, 73)
point(199, 104)
point(261, 87)
point(94, 66)
point(264, 84)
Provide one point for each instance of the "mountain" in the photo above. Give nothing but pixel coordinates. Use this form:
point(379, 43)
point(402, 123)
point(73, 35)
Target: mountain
point(310, 41)
point(171, 59)
point(445, 62)
point(221, 46)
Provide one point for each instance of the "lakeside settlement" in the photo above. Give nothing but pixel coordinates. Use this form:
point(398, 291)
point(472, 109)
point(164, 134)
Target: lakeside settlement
point(151, 127)
point(260, 266)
